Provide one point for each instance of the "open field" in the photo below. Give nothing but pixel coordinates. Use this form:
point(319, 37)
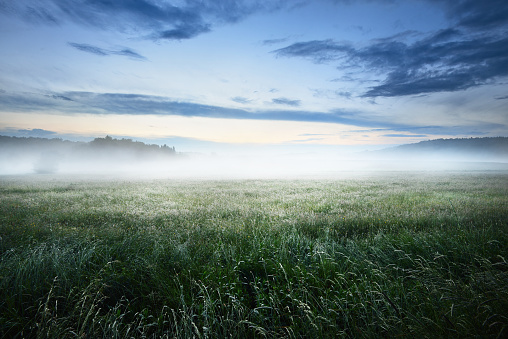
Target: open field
point(415, 254)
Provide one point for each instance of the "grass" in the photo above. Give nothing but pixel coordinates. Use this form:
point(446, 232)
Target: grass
point(400, 255)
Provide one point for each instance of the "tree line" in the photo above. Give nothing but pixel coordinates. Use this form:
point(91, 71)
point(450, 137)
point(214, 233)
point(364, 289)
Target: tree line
point(101, 145)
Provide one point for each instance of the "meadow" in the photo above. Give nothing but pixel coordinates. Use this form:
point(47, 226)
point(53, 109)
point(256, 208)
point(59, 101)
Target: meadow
point(413, 254)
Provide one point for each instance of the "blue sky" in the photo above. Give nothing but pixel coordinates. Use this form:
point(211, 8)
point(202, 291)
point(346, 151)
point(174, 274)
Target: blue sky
point(206, 73)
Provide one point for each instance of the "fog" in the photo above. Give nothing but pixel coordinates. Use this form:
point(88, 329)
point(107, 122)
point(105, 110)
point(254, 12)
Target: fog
point(250, 164)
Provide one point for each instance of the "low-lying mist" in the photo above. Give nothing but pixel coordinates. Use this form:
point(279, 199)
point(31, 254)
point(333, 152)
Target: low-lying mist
point(127, 158)
point(236, 166)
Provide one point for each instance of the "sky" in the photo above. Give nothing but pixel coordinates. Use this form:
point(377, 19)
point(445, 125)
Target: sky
point(206, 75)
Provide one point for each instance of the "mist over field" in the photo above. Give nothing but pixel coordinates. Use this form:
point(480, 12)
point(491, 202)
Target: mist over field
point(108, 156)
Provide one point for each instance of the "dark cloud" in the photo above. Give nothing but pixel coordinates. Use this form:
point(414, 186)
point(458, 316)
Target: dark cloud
point(433, 64)
point(471, 52)
point(477, 15)
point(450, 66)
point(104, 52)
point(287, 102)
point(148, 18)
point(502, 98)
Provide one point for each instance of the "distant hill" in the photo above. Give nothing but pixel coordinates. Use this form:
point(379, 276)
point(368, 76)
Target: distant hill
point(43, 155)
point(474, 149)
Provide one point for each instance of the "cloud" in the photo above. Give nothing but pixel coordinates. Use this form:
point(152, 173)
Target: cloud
point(129, 53)
point(472, 52)
point(138, 104)
point(309, 139)
point(273, 41)
point(331, 94)
point(89, 49)
point(287, 102)
point(105, 52)
point(435, 67)
point(184, 32)
point(502, 98)
point(317, 50)
point(314, 134)
point(477, 15)
point(344, 94)
point(430, 65)
point(241, 100)
point(450, 130)
point(151, 19)
point(406, 135)
point(59, 97)
point(35, 132)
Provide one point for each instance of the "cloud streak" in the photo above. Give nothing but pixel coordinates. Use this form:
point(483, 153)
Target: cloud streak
point(471, 53)
point(152, 19)
point(105, 52)
point(286, 102)
point(268, 42)
point(137, 104)
point(241, 100)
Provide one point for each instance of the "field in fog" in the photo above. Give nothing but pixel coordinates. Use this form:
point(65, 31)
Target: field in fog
point(410, 254)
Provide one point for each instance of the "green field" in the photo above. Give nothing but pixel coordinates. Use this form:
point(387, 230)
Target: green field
point(415, 254)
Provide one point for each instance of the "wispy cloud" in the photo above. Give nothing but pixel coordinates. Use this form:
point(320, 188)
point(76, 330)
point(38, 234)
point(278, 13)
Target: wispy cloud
point(286, 101)
point(105, 52)
point(151, 19)
point(35, 132)
point(274, 41)
point(241, 100)
point(314, 134)
point(129, 53)
point(59, 97)
point(308, 140)
point(89, 49)
point(317, 50)
point(137, 104)
point(405, 135)
point(344, 94)
point(331, 94)
point(472, 52)
point(184, 31)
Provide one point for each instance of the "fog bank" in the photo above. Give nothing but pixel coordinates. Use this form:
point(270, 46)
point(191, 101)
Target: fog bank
point(107, 156)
